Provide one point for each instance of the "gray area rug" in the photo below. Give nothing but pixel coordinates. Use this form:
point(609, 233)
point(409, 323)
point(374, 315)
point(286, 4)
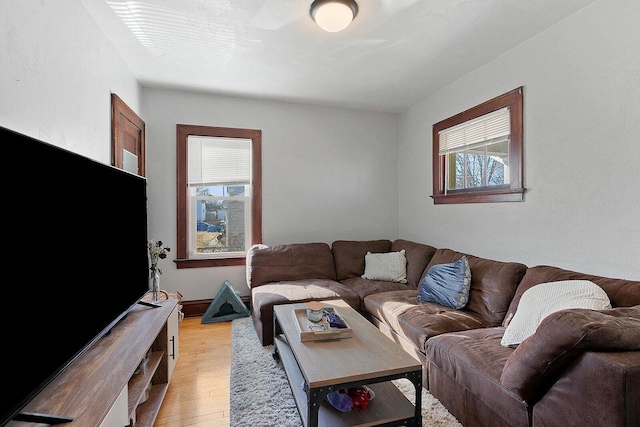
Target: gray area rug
point(260, 393)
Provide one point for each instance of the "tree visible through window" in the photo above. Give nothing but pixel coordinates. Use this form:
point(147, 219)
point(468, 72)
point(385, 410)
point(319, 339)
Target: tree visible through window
point(219, 194)
point(477, 154)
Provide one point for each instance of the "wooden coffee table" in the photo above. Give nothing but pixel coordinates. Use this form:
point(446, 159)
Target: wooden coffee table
point(316, 368)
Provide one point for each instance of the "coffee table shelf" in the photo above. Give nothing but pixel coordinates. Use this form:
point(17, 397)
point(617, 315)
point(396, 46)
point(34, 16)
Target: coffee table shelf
point(389, 405)
point(316, 368)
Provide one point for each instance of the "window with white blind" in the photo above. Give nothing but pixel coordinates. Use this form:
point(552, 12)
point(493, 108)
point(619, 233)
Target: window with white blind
point(477, 154)
point(219, 194)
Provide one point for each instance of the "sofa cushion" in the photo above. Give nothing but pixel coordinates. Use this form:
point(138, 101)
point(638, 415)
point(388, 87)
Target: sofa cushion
point(418, 256)
point(493, 283)
point(364, 287)
point(418, 321)
point(296, 261)
point(541, 300)
point(475, 359)
point(389, 267)
point(447, 284)
point(621, 292)
point(561, 337)
point(348, 255)
point(286, 292)
point(264, 297)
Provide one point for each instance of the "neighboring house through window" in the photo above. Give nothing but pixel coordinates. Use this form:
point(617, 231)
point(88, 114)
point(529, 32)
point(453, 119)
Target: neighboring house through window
point(219, 194)
point(477, 154)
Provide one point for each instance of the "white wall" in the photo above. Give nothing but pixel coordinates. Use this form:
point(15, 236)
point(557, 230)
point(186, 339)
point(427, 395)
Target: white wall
point(327, 174)
point(581, 211)
point(58, 72)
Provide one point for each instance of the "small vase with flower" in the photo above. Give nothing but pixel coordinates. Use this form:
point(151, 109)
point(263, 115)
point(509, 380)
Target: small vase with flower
point(156, 253)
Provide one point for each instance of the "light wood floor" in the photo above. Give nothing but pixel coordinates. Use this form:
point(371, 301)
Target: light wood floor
point(198, 394)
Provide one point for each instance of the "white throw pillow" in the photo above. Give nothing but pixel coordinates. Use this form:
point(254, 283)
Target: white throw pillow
point(389, 266)
point(541, 300)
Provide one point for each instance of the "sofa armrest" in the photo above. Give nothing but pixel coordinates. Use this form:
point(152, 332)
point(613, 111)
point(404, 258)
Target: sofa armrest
point(599, 389)
point(563, 336)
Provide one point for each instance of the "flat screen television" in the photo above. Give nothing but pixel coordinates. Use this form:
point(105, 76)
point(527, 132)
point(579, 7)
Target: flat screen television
point(76, 239)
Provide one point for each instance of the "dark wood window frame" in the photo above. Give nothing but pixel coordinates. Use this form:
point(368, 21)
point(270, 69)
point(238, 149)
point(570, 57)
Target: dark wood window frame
point(513, 192)
point(183, 132)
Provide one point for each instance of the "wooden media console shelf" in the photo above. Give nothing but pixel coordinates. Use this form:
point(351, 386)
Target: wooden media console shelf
point(101, 388)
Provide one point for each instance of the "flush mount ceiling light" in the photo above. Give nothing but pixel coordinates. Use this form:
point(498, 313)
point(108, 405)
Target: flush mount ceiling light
point(333, 15)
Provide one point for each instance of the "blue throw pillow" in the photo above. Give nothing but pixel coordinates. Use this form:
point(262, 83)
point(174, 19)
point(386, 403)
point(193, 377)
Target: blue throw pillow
point(447, 284)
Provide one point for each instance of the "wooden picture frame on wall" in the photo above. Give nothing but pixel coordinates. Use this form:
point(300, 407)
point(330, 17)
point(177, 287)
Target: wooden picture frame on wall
point(128, 138)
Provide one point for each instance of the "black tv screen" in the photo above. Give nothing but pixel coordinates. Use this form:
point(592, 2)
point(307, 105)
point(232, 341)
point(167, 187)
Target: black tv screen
point(76, 239)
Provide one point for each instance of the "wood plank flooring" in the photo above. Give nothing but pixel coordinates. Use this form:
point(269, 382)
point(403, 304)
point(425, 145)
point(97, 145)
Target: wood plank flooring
point(198, 394)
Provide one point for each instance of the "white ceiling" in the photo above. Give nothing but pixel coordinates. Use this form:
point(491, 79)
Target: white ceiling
point(395, 53)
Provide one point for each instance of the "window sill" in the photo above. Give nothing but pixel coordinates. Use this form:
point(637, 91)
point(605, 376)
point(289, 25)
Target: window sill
point(490, 196)
point(209, 262)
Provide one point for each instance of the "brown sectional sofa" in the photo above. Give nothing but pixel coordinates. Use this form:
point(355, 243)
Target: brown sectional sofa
point(582, 367)
point(302, 272)
point(594, 388)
